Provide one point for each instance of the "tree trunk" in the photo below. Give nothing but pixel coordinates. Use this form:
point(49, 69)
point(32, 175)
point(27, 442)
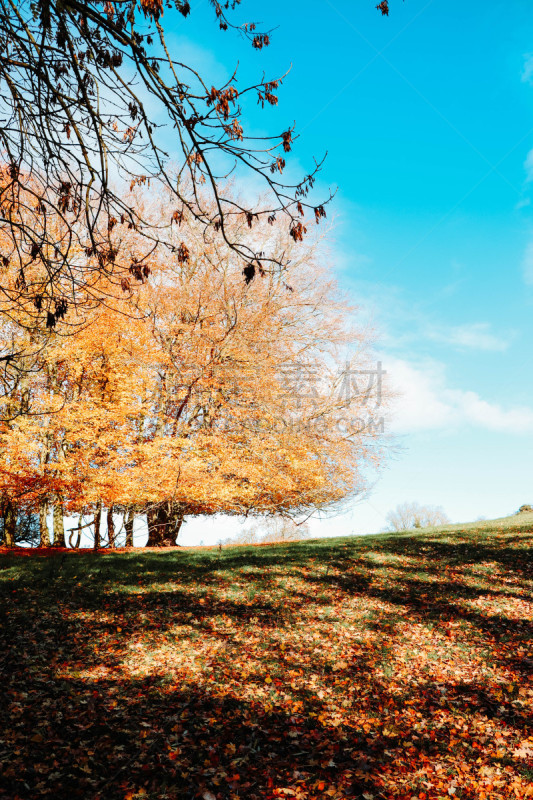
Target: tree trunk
point(110, 527)
point(164, 523)
point(128, 524)
point(97, 518)
point(158, 526)
point(77, 530)
point(10, 523)
point(43, 525)
point(179, 519)
point(59, 524)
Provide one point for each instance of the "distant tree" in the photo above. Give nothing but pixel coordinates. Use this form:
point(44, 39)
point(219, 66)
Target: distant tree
point(525, 508)
point(271, 530)
point(414, 515)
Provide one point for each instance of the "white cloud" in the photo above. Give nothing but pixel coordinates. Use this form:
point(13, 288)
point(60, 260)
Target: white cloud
point(527, 69)
point(528, 166)
point(417, 406)
point(527, 263)
point(424, 402)
point(474, 336)
point(403, 323)
point(491, 416)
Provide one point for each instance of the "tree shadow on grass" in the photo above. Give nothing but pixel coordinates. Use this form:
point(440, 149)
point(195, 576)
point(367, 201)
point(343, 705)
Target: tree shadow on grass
point(119, 737)
point(108, 738)
point(519, 559)
point(440, 603)
point(111, 735)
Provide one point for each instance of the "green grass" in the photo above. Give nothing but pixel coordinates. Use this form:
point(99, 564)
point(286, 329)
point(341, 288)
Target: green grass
point(391, 666)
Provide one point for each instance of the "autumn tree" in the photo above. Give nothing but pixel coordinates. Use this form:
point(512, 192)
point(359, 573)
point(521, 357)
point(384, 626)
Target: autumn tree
point(199, 393)
point(250, 371)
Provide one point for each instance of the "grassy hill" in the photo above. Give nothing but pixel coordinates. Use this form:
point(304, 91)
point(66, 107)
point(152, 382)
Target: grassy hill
point(389, 666)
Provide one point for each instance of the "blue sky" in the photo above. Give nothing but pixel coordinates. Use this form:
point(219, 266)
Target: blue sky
point(427, 117)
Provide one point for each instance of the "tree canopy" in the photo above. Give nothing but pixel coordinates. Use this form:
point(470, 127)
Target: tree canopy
point(199, 391)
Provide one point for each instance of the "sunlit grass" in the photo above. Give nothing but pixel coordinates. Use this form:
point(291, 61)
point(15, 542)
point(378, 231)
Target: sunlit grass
point(387, 666)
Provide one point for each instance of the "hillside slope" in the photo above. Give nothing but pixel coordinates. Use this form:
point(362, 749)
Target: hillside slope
point(389, 666)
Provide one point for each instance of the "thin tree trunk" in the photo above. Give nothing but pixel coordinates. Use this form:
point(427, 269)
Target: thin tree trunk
point(110, 527)
point(44, 532)
point(10, 523)
point(178, 522)
point(44, 540)
point(77, 530)
point(59, 524)
point(97, 519)
point(128, 524)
